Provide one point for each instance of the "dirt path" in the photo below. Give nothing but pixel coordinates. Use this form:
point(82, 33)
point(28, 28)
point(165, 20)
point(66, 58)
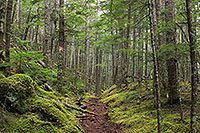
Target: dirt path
point(99, 123)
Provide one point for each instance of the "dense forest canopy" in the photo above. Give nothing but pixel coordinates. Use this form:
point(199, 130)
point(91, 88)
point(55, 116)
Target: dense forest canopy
point(76, 47)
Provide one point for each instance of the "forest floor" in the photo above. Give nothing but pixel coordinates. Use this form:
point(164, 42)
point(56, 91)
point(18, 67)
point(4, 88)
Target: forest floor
point(99, 123)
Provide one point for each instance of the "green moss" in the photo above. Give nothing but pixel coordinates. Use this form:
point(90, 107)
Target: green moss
point(132, 85)
point(115, 99)
point(1, 75)
point(136, 117)
point(39, 114)
point(45, 116)
point(32, 123)
point(21, 85)
point(54, 95)
point(17, 90)
point(113, 89)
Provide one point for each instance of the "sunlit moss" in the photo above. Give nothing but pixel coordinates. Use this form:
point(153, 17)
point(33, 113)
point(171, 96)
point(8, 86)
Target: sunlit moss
point(115, 99)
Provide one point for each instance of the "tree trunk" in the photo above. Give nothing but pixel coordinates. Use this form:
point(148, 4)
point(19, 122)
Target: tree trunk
point(13, 13)
point(97, 90)
point(171, 61)
point(47, 34)
point(29, 19)
point(156, 82)
point(112, 45)
point(126, 62)
point(72, 59)
point(140, 57)
point(134, 46)
point(160, 41)
point(146, 60)
point(2, 17)
point(61, 50)
point(8, 30)
point(19, 15)
point(194, 71)
point(61, 36)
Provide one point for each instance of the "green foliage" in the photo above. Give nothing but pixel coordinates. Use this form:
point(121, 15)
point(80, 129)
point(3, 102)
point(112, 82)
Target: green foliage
point(72, 83)
point(27, 62)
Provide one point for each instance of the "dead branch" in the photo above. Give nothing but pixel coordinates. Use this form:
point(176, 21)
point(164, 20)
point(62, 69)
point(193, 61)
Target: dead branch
point(69, 106)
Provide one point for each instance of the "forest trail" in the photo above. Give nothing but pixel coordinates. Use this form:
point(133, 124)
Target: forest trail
point(99, 123)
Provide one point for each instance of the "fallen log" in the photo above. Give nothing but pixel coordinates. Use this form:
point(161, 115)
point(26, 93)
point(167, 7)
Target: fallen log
point(69, 106)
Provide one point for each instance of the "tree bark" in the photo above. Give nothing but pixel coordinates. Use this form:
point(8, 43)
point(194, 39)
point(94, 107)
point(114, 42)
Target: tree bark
point(194, 71)
point(19, 14)
point(2, 22)
point(156, 80)
point(8, 30)
point(61, 35)
point(160, 41)
point(171, 61)
point(126, 62)
point(29, 19)
point(134, 46)
point(13, 12)
point(112, 45)
point(97, 90)
point(146, 60)
point(47, 34)
point(61, 47)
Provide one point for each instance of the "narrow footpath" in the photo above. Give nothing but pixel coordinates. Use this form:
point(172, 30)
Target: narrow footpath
point(98, 123)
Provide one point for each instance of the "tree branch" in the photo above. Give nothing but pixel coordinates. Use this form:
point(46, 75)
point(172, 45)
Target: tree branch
point(69, 106)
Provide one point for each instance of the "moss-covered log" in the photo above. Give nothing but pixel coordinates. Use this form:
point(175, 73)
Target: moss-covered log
point(19, 93)
point(16, 90)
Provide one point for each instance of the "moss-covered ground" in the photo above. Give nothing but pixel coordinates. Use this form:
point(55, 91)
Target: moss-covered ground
point(133, 108)
point(22, 110)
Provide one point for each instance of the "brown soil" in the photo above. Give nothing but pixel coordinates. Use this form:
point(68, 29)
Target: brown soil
point(98, 123)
